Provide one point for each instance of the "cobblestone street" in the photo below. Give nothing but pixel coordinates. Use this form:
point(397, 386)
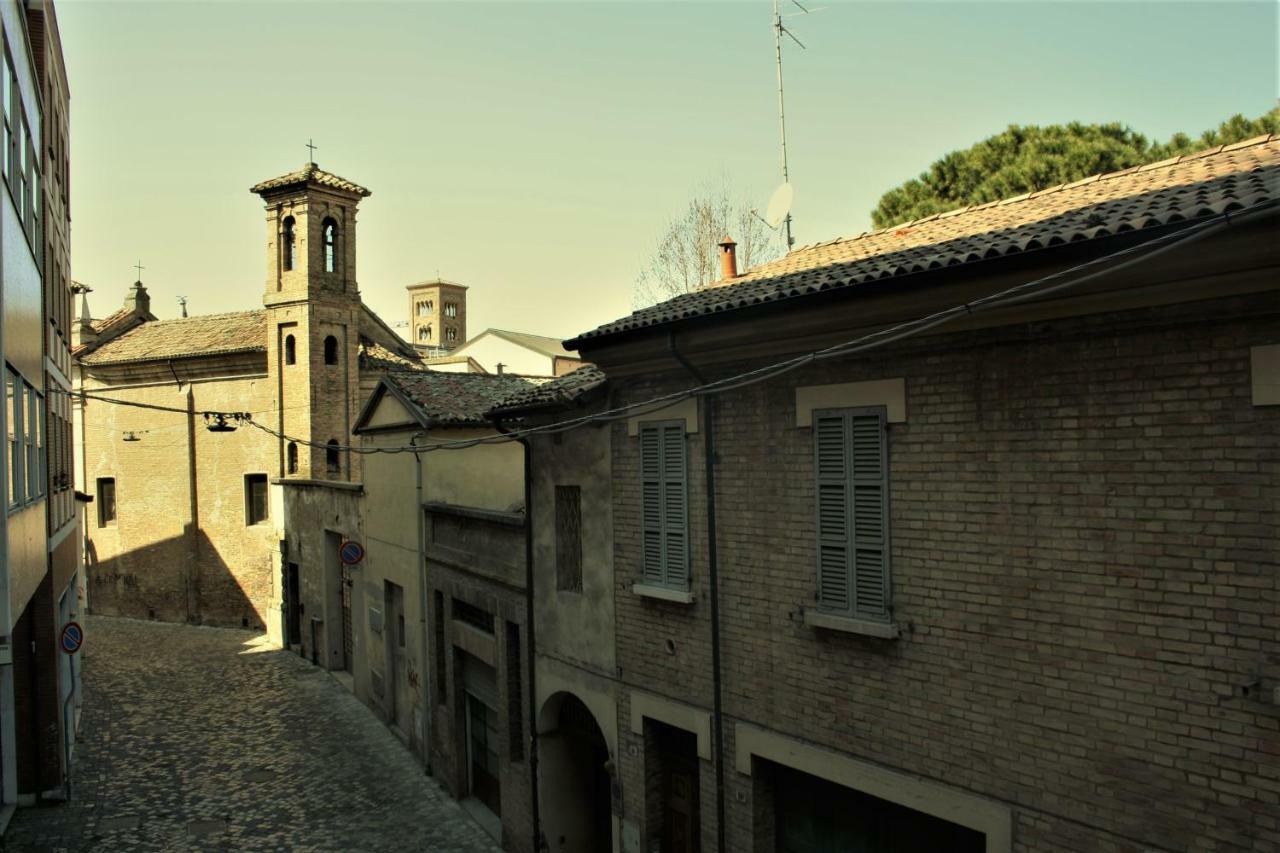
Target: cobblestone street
point(208, 739)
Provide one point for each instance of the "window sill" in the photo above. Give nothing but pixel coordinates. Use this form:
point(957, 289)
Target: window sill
point(661, 593)
point(849, 625)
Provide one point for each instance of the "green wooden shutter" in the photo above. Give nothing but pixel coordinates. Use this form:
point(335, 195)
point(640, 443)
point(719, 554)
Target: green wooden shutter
point(675, 508)
point(869, 515)
point(833, 512)
point(664, 506)
point(851, 468)
point(651, 504)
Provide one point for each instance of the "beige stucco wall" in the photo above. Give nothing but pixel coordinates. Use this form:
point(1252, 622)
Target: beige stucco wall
point(575, 626)
point(488, 350)
point(486, 476)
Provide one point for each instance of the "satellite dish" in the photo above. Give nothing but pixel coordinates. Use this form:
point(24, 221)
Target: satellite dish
point(779, 205)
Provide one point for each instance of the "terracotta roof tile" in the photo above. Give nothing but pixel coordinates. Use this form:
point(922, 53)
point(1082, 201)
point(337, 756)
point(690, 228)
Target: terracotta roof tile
point(1188, 188)
point(457, 399)
point(243, 331)
point(374, 356)
point(310, 174)
point(560, 391)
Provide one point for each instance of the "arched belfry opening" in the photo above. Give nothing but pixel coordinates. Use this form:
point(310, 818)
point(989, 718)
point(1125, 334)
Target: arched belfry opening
point(575, 786)
point(288, 243)
point(329, 236)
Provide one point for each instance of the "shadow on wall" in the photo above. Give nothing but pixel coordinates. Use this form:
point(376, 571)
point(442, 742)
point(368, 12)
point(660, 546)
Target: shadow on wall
point(180, 579)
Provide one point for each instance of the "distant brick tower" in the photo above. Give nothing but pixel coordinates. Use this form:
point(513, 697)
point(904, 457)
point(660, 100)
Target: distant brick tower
point(313, 318)
point(437, 316)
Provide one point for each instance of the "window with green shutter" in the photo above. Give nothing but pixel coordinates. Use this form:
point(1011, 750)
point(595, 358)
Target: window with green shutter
point(664, 505)
point(852, 471)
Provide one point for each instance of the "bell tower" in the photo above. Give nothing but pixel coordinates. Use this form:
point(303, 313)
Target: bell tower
point(313, 318)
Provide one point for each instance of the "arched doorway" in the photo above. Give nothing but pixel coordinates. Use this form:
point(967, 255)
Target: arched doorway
point(574, 781)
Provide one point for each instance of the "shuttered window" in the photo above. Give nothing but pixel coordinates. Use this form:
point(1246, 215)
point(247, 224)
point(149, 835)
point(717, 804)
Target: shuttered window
point(664, 505)
point(851, 463)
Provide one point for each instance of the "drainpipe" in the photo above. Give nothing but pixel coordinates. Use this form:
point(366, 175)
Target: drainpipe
point(529, 633)
point(713, 576)
point(421, 572)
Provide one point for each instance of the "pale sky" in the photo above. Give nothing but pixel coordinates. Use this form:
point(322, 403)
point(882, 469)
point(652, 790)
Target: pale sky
point(536, 150)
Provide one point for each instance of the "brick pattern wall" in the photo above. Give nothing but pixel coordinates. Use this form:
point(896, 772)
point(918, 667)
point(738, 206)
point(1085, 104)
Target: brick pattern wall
point(168, 556)
point(1084, 521)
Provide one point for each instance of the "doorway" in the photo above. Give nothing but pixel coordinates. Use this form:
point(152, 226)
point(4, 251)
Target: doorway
point(397, 664)
point(672, 780)
point(575, 785)
point(480, 712)
point(293, 606)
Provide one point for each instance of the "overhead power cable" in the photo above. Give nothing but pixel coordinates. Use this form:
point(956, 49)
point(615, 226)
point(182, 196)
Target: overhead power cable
point(1036, 289)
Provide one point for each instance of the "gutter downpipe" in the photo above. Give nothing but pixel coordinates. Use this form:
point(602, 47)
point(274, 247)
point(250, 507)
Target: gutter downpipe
point(421, 572)
point(531, 645)
point(713, 576)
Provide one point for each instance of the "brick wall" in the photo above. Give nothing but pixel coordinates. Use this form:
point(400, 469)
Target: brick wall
point(168, 556)
point(1084, 523)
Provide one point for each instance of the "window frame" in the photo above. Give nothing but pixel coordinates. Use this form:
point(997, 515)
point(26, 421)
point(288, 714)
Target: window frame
point(851, 481)
point(568, 514)
point(663, 575)
point(330, 349)
point(332, 457)
point(250, 480)
point(14, 394)
point(103, 519)
point(329, 243)
point(288, 237)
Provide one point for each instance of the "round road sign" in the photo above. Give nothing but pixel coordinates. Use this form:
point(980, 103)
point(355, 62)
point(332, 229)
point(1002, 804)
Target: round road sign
point(72, 638)
point(351, 553)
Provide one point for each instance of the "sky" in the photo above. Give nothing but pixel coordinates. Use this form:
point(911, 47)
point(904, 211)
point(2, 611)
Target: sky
point(535, 151)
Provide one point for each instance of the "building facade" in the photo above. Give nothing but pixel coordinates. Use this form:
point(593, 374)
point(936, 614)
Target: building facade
point(189, 509)
point(39, 683)
point(1006, 583)
point(439, 610)
point(437, 316)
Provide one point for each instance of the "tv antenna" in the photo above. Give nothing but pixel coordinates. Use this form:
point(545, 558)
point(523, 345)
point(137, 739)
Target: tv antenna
point(779, 30)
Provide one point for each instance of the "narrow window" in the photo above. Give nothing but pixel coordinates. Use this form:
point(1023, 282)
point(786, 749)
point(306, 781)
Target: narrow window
point(569, 538)
point(851, 467)
point(255, 498)
point(7, 73)
point(290, 350)
point(332, 460)
point(13, 399)
point(35, 442)
point(291, 457)
point(286, 244)
point(664, 505)
point(330, 230)
point(451, 334)
point(424, 333)
point(330, 350)
point(515, 716)
point(442, 680)
point(451, 309)
point(106, 502)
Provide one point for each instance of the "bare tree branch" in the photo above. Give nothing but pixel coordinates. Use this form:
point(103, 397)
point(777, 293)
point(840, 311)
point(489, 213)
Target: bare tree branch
point(686, 256)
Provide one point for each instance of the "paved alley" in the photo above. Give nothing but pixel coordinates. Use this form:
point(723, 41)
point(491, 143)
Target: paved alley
point(208, 739)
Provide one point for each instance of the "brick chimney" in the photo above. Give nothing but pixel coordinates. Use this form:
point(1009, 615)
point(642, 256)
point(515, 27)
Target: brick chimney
point(728, 259)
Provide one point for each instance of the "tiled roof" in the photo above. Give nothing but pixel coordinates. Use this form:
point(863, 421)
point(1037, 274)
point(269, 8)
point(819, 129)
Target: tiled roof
point(310, 174)
point(1180, 189)
point(111, 320)
point(456, 399)
point(374, 356)
point(243, 331)
point(558, 392)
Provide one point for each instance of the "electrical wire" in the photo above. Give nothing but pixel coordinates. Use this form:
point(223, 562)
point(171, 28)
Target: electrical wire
point(1036, 289)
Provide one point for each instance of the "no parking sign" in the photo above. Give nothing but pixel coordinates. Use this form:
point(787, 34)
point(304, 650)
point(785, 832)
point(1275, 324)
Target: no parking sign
point(351, 553)
point(72, 638)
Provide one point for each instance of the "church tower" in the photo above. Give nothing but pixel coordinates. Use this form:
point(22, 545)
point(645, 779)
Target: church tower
point(313, 319)
point(437, 316)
